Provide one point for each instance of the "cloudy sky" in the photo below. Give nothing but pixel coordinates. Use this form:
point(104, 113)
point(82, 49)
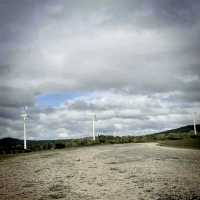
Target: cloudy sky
point(134, 63)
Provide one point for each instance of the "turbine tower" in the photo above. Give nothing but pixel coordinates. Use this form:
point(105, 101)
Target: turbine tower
point(194, 120)
point(93, 126)
point(25, 117)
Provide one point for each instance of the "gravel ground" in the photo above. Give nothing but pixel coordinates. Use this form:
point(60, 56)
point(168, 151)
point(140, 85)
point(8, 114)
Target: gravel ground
point(128, 171)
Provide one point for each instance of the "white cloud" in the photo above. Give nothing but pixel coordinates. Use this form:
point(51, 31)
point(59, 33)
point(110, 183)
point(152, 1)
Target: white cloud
point(116, 113)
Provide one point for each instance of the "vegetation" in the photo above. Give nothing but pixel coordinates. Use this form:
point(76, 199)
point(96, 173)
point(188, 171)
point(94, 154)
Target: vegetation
point(181, 137)
point(193, 142)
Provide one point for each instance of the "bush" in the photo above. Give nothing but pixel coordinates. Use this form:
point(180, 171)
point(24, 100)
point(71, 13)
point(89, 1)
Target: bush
point(194, 136)
point(60, 146)
point(174, 138)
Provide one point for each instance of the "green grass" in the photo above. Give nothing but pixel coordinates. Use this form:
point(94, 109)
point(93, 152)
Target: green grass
point(193, 143)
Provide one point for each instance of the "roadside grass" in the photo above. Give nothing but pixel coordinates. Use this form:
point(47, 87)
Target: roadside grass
point(192, 143)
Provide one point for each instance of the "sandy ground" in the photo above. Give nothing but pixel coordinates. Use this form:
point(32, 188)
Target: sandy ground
point(128, 171)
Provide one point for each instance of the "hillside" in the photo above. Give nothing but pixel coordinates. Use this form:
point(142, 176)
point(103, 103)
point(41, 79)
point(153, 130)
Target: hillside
point(182, 137)
point(184, 129)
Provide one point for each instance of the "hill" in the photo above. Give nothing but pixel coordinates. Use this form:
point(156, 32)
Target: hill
point(184, 129)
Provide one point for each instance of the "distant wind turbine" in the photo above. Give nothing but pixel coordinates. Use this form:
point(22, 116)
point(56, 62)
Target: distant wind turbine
point(194, 120)
point(93, 126)
point(25, 118)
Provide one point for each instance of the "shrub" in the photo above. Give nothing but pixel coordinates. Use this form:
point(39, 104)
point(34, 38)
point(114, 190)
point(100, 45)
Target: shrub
point(60, 146)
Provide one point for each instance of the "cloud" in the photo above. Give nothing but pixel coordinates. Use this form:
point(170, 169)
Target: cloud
point(120, 114)
point(145, 52)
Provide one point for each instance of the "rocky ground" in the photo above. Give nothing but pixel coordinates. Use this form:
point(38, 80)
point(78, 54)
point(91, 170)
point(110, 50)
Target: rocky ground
point(116, 172)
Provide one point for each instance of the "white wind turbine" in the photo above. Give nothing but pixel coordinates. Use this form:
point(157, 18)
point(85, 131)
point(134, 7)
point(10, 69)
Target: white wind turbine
point(194, 121)
point(93, 126)
point(25, 118)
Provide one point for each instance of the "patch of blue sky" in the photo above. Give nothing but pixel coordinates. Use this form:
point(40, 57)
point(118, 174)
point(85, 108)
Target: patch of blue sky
point(56, 99)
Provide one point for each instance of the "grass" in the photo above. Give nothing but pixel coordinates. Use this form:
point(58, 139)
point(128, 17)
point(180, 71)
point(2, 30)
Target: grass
point(193, 143)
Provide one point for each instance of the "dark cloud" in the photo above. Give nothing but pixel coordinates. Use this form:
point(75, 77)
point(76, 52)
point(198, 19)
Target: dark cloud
point(15, 97)
point(9, 113)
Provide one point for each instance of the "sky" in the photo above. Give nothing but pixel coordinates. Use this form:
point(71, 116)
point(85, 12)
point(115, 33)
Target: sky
point(133, 63)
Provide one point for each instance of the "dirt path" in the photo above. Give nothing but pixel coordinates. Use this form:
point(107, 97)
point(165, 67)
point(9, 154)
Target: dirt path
point(129, 171)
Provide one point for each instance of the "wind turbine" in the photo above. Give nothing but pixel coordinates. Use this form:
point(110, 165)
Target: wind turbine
point(93, 126)
point(25, 118)
point(114, 133)
point(194, 120)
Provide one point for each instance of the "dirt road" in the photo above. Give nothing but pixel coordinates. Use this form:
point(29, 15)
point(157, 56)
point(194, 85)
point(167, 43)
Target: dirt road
point(113, 172)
